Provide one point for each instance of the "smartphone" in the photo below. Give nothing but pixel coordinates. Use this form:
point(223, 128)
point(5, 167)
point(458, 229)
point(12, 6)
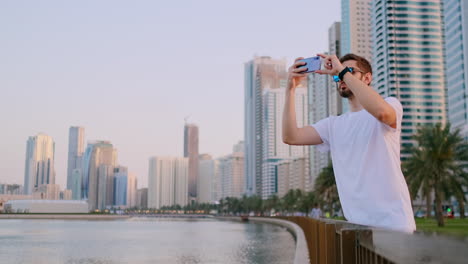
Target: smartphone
point(312, 64)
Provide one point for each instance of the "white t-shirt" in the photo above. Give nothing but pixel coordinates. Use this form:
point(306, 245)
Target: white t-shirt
point(316, 213)
point(366, 160)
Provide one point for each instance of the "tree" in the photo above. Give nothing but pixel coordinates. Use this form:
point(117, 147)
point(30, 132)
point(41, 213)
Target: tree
point(325, 187)
point(438, 165)
point(289, 201)
point(272, 203)
point(307, 202)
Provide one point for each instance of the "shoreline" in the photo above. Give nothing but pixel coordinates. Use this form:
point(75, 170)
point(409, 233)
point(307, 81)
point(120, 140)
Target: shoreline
point(64, 216)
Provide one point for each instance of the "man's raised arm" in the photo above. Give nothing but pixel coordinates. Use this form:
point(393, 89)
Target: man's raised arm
point(293, 135)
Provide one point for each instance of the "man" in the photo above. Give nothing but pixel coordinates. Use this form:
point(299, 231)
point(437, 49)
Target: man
point(316, 212)
point(364, 144)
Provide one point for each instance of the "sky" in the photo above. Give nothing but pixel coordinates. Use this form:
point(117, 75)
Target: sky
point(131, 71)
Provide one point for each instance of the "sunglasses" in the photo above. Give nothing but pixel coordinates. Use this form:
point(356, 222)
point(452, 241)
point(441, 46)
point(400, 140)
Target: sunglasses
point(352, 70)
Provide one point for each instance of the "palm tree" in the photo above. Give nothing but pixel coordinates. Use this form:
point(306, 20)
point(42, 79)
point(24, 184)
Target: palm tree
point(272, 203)
point(289, 201)
point(438, 165)
point(325, 187)
point(307, 202)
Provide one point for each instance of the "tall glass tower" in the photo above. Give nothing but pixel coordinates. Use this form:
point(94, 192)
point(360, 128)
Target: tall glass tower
point(259, 74)
point(456, 47)
point(408, 60)
point(355, 31)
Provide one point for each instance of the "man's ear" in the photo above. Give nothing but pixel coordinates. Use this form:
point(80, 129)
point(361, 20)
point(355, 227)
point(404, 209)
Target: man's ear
point(368, 78)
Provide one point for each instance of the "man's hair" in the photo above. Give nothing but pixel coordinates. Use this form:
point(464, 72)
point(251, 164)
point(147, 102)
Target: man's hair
point(362, 63)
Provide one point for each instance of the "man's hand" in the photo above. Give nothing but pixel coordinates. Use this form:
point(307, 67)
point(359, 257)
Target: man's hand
point(294, 75)
point(332, 65)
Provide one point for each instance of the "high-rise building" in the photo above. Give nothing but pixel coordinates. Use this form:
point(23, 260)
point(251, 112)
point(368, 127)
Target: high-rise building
point(408, 62)
point(132, 185)
point(142, 198)
point(191, 152)
point(355, 32)
point(77, 180)
point(259, 74)
point(75, 155)
point(120, 186)
point(356, 27)
point(231, 170)
point(99, 161)
point(456, 48)
point(274, 149)
point(39, 165)
point(318, 94)
point(167, 182)
point(291, 175)
point(105, 192)
point(206, 177)
point(335, 102)
point(239, 147)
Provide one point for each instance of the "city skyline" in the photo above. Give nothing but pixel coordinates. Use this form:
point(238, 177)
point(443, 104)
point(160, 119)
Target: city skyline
point(120, 80)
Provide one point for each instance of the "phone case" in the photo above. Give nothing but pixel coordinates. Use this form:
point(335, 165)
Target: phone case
point(312, 64)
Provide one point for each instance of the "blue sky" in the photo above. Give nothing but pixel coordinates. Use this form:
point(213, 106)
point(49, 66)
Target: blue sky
point(131, 71)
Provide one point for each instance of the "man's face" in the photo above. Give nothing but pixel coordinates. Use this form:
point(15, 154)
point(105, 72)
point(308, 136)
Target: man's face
point(343, 90)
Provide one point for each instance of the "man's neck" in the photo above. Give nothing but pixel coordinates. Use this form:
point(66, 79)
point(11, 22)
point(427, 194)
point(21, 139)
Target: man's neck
point(354, 105)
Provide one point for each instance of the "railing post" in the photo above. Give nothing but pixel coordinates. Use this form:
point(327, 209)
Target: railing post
point(330, 243)
point(348, 246)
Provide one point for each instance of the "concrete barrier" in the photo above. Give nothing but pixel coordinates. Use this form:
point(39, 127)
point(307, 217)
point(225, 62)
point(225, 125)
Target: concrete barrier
point(301, 255)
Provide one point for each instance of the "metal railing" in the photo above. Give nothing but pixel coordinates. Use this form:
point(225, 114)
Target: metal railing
point(333, 241)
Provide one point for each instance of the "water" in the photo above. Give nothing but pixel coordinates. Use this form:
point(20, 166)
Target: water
point(143, 240)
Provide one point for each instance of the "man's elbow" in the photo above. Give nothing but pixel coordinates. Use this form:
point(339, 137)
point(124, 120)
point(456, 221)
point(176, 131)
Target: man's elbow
point(287, 140)
point(387, 117)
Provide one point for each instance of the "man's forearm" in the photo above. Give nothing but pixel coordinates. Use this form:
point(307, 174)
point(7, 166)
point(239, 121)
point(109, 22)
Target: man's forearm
point(368, 97)
point(289, 117)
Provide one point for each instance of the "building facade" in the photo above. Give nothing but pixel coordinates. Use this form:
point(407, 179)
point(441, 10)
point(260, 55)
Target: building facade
point(274, 149)
point(456, 48)
point(76, 146)
point(206, 179)
point(356, 31)
point(408, 62)
point(259, 74)
point(168, 182)
point(39, 165)
point(231, 170)
point(191, 152)
point(99, 161)
point(318, 94)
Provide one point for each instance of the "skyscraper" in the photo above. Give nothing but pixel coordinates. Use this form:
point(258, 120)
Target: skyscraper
point(355, 32)
point(99, 161)
point(356, 27)
point(456, 47)
point(318, 97)
point(132, 184)
point(167, 182)
point(275, 150)
point(191, 152)
point(120, 187)
point(408, 60)
point(39, 165)
point(335, 102)
point(259, 74)
point(75, 155)
point(231, 170)
point(142, 198)
point(206, 179)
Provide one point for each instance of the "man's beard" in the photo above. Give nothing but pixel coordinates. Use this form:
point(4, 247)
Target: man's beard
point(345, 93)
